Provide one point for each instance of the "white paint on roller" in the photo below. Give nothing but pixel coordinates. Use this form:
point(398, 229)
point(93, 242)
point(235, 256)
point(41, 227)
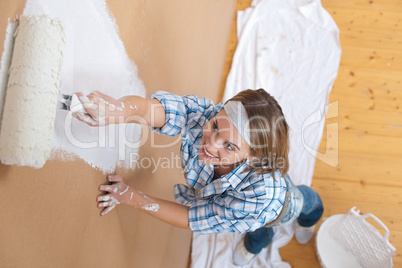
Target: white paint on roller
point(94, 59)
point(151, 207)
point(6, 62)
point(32, 92)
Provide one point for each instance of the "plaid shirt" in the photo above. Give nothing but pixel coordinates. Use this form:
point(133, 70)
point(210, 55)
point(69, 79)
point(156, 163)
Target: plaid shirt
point(236, 202)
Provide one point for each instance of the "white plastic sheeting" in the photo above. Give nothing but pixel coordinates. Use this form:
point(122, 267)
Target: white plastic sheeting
point(291, 49)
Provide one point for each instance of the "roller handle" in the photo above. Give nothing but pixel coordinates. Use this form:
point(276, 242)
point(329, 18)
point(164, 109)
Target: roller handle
point(70, 103)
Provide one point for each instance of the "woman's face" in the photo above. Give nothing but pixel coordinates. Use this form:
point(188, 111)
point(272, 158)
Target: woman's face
point(222, 143)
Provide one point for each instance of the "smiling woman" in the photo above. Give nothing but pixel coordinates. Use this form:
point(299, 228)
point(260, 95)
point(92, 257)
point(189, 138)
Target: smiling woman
point(264, 125)
point(231, 185)
point(222, 144)
point(251, 128)
point(215, 145)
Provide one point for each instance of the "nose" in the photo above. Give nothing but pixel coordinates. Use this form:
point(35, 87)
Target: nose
point(216, 142)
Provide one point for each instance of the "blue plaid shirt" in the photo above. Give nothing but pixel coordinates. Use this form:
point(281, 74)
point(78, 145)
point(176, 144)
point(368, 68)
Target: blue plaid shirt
point(236, 202)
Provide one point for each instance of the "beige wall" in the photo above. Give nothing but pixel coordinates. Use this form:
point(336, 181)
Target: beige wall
point(49, 216)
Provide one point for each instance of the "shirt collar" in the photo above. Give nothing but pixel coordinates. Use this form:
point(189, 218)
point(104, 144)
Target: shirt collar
point(236, 177)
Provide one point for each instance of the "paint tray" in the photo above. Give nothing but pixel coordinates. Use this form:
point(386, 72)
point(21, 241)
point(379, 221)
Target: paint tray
point(348, 240)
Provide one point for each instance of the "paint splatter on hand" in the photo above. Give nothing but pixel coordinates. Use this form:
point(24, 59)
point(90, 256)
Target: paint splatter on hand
point(101, 108)
point(116, 193)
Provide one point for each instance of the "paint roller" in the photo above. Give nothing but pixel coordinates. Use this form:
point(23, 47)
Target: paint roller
point(30, 76)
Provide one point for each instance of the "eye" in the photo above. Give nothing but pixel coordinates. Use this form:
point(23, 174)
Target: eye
point(215, 126)
point(230, 147)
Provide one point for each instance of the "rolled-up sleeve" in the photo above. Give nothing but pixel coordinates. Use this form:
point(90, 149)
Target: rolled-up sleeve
point(184, 113)
point(213, 216)
point(175, 110)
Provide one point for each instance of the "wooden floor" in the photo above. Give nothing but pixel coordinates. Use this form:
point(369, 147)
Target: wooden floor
point(369, 95)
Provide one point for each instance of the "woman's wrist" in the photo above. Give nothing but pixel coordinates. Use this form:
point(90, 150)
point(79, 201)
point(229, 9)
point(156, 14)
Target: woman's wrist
point(129, 107)
point(141, 201)
point(130, 198)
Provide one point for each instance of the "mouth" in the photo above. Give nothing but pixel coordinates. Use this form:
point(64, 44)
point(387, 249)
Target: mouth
point(207, 154)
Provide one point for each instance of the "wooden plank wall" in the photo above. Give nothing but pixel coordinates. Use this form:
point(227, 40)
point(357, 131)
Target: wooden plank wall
point(369, 121)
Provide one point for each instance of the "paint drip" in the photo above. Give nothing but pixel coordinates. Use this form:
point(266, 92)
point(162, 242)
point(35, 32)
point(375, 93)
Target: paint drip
point(107, 210)
point(131, 106)
point(106, 198)
point(151, 207)
point(124, 191)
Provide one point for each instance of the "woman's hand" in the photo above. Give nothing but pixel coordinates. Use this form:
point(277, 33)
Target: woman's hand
point(101, 108)
point(117, 193)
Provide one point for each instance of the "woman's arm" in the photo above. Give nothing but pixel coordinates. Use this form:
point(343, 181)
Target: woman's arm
point(119, 193)
point(149, 110)
point(102, 110)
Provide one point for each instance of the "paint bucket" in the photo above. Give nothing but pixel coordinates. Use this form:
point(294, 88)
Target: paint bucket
point(349, 241)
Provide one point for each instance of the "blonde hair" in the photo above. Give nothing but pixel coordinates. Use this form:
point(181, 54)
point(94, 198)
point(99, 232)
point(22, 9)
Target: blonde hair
point(269, 132)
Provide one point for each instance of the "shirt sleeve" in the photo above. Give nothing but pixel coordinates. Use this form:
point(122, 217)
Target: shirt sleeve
point(219, 215)
point(184, 113)
point(238, 211)
point(208, 216)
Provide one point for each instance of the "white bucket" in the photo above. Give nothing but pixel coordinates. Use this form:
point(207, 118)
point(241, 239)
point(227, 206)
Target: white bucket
point(349, 241)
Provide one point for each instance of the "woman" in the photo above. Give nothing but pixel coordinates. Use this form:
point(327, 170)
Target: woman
point(234, 157)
